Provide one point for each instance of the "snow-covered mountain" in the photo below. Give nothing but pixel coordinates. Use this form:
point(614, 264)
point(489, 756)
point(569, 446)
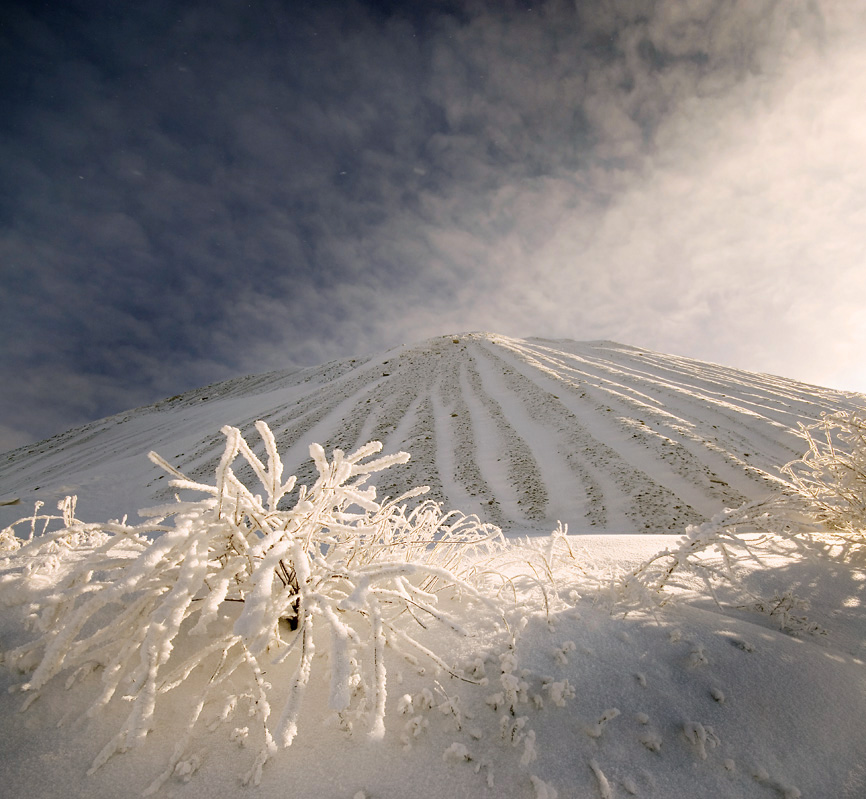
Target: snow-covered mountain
point(603, 436)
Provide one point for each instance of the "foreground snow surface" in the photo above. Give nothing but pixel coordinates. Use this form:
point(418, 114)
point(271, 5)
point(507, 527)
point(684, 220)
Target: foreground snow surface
point(688, 701)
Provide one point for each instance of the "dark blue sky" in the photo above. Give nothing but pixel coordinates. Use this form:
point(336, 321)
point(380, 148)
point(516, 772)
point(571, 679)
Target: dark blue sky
point(196, 190)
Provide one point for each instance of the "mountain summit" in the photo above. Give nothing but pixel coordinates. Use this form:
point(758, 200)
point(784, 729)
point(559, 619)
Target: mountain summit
point(602, 436)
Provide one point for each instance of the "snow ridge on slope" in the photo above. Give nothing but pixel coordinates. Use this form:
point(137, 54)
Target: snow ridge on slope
point(603, 436)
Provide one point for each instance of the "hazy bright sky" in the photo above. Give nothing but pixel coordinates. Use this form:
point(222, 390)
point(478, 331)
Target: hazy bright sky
point(194, 190)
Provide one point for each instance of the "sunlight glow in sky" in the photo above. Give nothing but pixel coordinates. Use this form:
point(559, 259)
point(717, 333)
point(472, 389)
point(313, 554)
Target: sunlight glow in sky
point(194, 190)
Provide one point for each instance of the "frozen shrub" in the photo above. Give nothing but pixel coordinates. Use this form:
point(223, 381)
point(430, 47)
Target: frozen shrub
point(541, 569)
point(827, 494)
point(255, 577)
point(710, 551)
point(832, 474)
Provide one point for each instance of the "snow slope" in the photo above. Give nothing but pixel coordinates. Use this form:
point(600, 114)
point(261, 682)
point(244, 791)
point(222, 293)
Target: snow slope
point(605, 437)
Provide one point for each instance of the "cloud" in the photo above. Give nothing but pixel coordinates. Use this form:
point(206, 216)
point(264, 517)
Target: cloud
point(731, 232)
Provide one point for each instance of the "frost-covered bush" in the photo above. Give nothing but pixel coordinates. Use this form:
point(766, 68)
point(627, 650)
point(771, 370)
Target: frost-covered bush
point(538, 571)
point(709, 552)
point(827, 494)
point(832, 474)
point(259, 580)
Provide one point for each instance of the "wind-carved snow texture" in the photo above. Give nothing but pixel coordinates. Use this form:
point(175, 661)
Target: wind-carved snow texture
point(523, 433)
